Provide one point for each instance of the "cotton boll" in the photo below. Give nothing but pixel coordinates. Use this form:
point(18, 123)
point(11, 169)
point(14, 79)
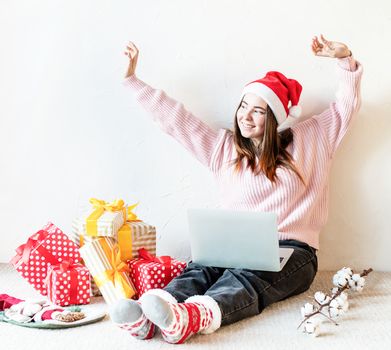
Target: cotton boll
point(307, 309)
point(311, 327)
point(334, 308)
point(338, 306)
point(334, 312)
point(342, 277)
point(333, 304)
point(321, 298)
point(346, 270)
point(357, 283)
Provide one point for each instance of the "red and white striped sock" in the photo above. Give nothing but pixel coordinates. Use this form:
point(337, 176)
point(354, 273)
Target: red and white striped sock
point(178, 322)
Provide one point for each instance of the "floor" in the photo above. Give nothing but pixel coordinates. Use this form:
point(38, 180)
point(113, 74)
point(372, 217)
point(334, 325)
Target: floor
point(367, 324)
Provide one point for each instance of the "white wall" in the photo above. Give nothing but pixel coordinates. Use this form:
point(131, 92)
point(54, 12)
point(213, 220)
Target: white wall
point(70, 131)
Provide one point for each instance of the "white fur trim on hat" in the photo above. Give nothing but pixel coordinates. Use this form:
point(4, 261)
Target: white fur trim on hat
point(210, 303)
point(295, 111)
point(288, 123)
point(270, 98)
point(162, 294)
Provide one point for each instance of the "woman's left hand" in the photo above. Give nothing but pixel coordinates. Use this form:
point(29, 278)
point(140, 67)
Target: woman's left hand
point(328, 48)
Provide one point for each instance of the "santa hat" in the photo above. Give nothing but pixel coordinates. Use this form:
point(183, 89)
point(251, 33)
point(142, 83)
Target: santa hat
point(277, 91)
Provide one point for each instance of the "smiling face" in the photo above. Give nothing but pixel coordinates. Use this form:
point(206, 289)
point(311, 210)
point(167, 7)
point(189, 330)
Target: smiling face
point(251, 117)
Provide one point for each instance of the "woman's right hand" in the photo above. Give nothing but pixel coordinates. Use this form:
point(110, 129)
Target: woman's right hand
point(328, 48)
point(132, 52)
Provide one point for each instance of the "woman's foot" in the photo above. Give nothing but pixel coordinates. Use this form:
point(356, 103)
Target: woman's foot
point(128, 315)
point(179, 321)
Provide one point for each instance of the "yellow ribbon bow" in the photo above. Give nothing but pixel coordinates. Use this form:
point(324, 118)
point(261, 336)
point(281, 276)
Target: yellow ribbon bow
point(100, 206)
point(132, 216)
point(116, 205)
point(115, 276)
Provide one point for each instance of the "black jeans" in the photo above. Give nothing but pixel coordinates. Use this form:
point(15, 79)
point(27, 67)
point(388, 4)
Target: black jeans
point(241, 293)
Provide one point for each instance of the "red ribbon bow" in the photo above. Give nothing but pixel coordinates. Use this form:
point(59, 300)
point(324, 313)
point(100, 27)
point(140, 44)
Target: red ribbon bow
point(165, 260)
point(23, 251)
point(146, 255)
point(66, 265)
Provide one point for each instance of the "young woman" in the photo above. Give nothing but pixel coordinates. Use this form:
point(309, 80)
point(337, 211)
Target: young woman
point(267, 163)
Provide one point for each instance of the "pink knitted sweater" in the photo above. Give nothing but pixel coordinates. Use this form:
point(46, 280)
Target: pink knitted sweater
point(301, 209)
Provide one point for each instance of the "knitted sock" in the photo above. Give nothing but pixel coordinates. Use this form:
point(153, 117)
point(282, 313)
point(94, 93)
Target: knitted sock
point(178, 322)
point(127, 314)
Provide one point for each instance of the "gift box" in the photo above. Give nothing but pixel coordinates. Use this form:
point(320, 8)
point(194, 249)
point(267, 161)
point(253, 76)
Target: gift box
point(150, 272)
point(135, 235)
point(102, 257)
point(48, 246)
point(103, 219)
point(132, 236)
point(68, 284)
point(76, 237)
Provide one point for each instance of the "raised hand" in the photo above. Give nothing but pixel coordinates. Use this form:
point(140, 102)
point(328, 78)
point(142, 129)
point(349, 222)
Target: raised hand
point(328, 48)
point(132, 52)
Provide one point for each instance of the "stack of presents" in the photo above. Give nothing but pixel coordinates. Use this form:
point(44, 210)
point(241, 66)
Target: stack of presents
point(110, 252)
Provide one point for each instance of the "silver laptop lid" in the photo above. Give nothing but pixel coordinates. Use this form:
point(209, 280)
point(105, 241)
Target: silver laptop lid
point(234, 239)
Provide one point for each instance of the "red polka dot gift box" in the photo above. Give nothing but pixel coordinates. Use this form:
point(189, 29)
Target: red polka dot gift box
point(150, 272)
point(68, 284)
point(49, 246)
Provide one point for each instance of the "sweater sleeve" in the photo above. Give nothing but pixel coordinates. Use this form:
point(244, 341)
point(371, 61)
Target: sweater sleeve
point(335, 120)
point(172, 117)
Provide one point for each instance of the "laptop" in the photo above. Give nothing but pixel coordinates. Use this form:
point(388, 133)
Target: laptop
point(236, 239)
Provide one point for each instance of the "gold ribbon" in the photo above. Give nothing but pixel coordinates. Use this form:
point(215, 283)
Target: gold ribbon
point(99, 208)
point(115, 275)
point(125, 242)
point(130, 215)
point(125, 237)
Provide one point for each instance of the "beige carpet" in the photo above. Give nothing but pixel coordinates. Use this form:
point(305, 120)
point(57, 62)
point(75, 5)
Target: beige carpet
point(367, 324)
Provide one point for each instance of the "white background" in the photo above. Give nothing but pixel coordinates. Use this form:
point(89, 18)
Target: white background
point(70, 131)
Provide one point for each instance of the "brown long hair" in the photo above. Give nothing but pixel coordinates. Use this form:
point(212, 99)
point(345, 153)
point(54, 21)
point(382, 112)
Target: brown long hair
point(270, 154)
